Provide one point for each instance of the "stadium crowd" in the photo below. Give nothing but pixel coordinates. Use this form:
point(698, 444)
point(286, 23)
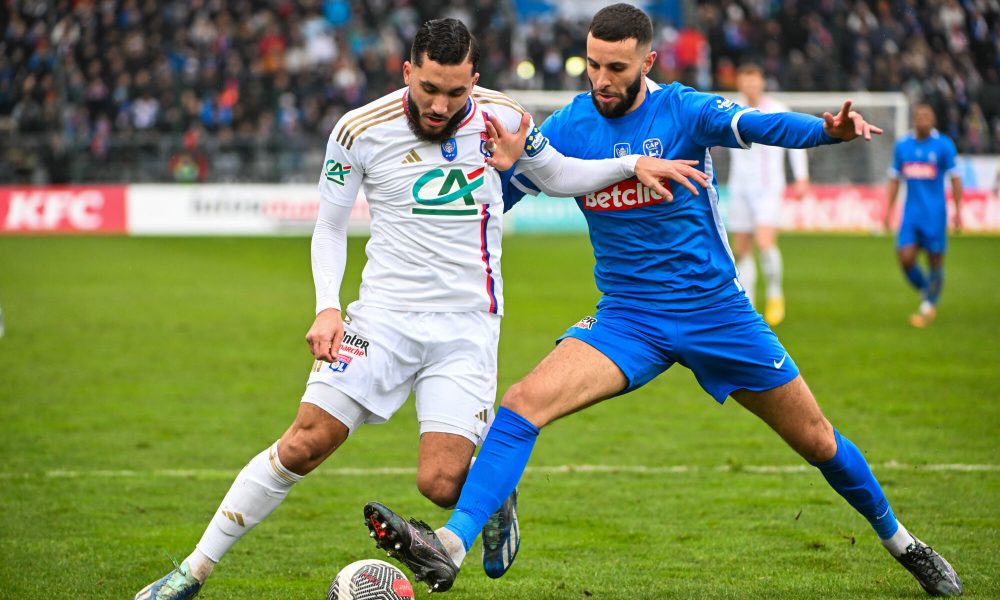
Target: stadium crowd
point(241, 89)
point(223, 80)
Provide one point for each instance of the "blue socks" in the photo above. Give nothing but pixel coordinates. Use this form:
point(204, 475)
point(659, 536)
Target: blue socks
point(934, 285)
point(494, 475)
point(916, 277)
point(849, 474)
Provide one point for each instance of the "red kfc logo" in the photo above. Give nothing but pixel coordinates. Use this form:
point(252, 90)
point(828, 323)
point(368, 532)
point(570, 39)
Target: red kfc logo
point(64, 209)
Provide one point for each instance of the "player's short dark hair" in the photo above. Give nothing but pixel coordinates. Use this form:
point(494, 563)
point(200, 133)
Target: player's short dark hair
point(750, 69)
point(622, 22)
point(445, 41)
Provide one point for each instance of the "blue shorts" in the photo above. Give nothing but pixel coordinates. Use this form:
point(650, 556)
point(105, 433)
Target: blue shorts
point(728, 346)
point(931, 236)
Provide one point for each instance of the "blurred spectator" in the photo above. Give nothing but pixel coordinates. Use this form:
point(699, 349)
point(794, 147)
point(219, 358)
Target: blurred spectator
point(111, 77)
point(944, 52)
point(122, 80)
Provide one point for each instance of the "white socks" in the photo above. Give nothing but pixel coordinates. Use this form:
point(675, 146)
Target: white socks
point(747, 268)
point(771, 266)
point(453, 544)
point(199, 565)
point(257, 491)
point(899, 542)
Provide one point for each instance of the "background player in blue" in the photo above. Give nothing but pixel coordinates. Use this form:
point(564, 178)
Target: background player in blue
point(670, 295)
point(924, 158)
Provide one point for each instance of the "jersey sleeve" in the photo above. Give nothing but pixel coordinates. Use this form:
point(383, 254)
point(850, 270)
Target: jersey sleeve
point(712, 120)
point(340, 180)
point(785, 129)
point(562, 176)
point(329, 254)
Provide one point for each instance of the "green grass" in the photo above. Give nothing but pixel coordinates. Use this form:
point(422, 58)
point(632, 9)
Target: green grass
point(142, 355)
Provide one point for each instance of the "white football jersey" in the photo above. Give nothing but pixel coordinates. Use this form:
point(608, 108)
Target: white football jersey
point(762, 167)
point(436, 208)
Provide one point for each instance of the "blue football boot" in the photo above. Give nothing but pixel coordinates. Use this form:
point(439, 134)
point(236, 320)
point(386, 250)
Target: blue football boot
point(501, 538)
point(178, 584)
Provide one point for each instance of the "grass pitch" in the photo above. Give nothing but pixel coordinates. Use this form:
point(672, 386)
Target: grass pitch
point(137, 376)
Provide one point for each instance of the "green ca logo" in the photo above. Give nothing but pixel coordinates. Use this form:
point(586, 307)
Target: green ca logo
point(337, 172)
point(455, 186)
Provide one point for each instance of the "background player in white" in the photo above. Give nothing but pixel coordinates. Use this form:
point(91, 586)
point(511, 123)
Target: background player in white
point(756, 189)
point(431, 296)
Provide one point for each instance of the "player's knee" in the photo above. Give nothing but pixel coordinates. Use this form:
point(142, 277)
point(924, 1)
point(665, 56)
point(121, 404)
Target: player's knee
point(440, 487)
point(523, 399)
point(302, 450)
point(820, 445)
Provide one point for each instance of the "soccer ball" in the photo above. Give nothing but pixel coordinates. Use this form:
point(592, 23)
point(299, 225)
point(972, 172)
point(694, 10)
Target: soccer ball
point(370, 580)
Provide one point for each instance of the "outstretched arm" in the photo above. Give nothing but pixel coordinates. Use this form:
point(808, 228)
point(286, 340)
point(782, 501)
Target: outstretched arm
point(797, 130)
point(560, 175)
point(848, 125)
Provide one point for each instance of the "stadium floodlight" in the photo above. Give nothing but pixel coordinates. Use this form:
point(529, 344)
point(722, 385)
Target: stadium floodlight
point(525, 69)
point(575, 66)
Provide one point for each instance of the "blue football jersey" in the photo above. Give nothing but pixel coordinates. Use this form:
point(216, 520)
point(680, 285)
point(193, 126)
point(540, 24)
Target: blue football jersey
point(923, 164)
point(672, 254)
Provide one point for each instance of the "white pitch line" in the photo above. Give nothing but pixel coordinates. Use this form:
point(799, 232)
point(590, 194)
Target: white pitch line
point(560, 469)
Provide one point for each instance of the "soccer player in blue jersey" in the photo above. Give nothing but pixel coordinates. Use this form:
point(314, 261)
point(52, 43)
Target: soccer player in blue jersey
point(924, 158)
point(670, 295)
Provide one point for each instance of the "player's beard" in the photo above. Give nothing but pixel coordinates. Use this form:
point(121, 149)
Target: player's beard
point(448, 131)
point(625, 102)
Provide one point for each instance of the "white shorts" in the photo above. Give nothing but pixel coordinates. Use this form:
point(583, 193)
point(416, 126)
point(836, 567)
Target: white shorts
point(751, 207)
point(448, 360)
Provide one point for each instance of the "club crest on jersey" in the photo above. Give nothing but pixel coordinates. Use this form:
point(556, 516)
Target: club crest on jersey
point(449, 149)
point(623, 149)
point(535, 143)
point(652, 147)
point(484, 140)
point(586, 322)
point(336, 171)
point(724, 104)
point(343, 361)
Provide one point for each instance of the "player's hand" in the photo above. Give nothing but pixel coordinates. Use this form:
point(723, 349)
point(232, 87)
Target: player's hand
point(505, 147)
point(848, 124)
point(325, 335)
point(652, 172)
point(800, 189)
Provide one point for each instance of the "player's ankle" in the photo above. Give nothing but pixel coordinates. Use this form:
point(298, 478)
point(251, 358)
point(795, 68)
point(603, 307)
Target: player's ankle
point(452, 544)
point(199, 565)
point(899, 542)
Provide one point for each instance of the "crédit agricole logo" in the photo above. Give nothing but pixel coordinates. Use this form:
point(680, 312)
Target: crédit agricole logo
point(447, 193)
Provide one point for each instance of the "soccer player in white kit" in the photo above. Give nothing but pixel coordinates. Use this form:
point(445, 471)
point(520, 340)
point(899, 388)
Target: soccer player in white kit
point(756, 189)
point(431, 298)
